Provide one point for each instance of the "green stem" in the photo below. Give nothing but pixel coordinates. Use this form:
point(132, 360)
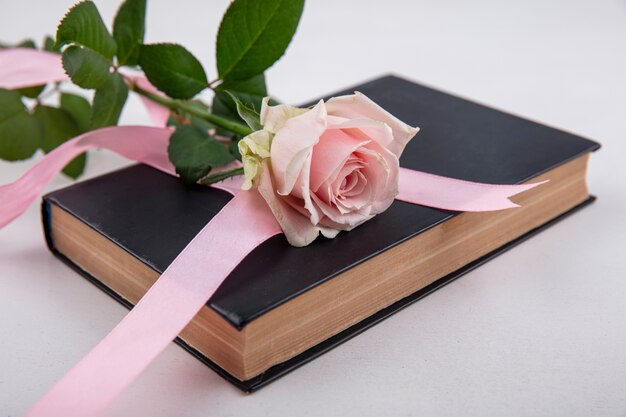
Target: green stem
point(178, 105)
point(211, 179)
point(211, 83)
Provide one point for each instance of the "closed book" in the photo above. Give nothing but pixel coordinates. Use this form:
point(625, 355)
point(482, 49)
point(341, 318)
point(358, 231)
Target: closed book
point(283, 306)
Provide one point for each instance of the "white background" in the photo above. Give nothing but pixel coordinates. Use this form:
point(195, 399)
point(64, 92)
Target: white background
point(541, 330)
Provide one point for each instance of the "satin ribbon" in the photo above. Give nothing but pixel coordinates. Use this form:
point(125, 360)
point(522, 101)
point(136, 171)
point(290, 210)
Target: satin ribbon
point(159, 114)
point(139, 143)
point(457, 195)
point(187, 284)
point(180, 292)
point(25, 67)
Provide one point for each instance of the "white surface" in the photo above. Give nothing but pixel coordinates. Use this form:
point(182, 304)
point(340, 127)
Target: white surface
point(541, 330)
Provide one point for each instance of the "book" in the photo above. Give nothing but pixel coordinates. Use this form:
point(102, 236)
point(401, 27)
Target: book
point(283, 306)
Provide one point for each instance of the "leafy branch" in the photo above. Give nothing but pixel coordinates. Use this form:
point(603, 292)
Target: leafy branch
point(202, 112)
point(252, 36)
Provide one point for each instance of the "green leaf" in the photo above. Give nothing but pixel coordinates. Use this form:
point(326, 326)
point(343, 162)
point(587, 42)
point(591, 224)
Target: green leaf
point(247, 112)
point(10, 104)
point(58, 126)
point(27, 43)
point(129, 28)
point(173, 69)
point(79, 108)
point(20, 134)
point(49, 44)
point(255, 34)
point(76, 167)
point(193, 152)
point(254, 86)
point(86, 68)
point(223, 105)
point(108, 102)
point(31, 92)
point(83, 25)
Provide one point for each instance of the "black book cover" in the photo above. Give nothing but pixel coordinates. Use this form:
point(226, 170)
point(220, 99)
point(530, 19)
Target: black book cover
point(154, 216)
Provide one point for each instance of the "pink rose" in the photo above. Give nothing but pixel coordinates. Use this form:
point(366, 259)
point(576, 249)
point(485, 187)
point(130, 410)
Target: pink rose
point(326, 169)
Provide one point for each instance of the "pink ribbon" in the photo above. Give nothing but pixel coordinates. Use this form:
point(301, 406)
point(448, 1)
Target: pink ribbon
point(457, 195)
point(181, 291)
point(139, 143)
point(159, 114)
point(24, 67)
point(171, 303)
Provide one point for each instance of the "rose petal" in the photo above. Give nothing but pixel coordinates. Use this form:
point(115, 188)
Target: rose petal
point(363, 129)
point(329, 233)
point(293, 144)
point(355, 183)
point(274, 117)
point(253, 149)
point(297, 228)
point(330, 154)
point(305, 192)
point(344, 221)
point(359, 106)
point(256, 143)
point(388, 162)
point(357, 202)
point(328, 222)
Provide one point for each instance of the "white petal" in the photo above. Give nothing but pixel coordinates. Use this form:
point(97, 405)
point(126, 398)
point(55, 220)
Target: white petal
point(274, 117)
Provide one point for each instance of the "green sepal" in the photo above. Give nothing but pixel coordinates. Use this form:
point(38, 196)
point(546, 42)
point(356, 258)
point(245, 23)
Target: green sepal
point(246, 112)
